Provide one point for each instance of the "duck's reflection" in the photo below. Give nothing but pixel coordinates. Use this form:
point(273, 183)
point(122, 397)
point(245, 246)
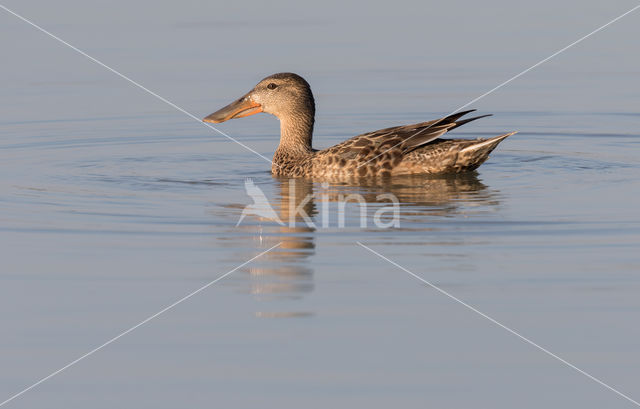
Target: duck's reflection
point(286, 273)
point(419, 195)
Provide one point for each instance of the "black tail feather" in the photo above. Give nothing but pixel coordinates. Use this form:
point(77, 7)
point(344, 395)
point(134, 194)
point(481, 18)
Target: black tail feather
point(454, 117)
point(460, 123)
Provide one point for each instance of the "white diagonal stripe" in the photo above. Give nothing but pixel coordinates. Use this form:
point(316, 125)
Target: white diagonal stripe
point(497, 87)
point(119, 74)
point(522, 337)
point(165, 309)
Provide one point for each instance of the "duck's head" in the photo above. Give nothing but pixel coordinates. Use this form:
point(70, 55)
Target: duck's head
point(283, 95)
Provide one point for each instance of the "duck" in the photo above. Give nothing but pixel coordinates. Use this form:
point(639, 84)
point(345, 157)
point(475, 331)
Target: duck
point(400, 150)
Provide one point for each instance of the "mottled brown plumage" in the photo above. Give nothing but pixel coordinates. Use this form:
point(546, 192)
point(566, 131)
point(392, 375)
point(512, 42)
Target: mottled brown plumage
point(400, 150)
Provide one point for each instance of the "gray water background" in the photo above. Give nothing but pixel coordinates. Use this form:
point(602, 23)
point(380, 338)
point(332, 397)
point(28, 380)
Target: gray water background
point(114, 205)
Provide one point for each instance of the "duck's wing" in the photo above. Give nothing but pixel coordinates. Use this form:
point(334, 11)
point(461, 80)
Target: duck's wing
point(398, 139)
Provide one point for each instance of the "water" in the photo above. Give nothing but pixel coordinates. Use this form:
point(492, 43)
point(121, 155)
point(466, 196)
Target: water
point(114, 205)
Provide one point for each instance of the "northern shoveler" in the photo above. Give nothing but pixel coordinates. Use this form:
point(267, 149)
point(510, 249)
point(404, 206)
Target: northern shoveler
point(400, 150)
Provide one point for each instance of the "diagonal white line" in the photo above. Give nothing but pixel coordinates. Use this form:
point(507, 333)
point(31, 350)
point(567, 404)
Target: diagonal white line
point(165, 309)
point(119, 74)
point(497, 87)
point(522, 337)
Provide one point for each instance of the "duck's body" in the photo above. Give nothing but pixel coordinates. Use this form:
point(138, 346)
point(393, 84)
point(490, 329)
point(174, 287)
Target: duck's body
point(403, 150)
point(400, 150)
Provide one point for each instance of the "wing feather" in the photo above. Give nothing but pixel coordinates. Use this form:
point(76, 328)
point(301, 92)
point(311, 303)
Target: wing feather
point(406, 137)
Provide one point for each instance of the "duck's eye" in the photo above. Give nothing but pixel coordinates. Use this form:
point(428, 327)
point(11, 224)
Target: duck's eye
point(272, 86)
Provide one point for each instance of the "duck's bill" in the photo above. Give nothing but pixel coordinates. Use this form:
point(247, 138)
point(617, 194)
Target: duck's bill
point(237, 109)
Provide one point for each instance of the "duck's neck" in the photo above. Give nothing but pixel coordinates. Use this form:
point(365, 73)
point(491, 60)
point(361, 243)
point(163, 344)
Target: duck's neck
point(296, 132)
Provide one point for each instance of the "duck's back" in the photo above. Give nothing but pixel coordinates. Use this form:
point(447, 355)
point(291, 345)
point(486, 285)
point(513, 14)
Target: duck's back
point(408, 149)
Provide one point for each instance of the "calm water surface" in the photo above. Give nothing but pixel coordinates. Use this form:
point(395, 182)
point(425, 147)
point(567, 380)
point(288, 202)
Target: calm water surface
point(114, 205)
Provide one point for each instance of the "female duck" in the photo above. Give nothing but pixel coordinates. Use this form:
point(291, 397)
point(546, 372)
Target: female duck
point(400, 150)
